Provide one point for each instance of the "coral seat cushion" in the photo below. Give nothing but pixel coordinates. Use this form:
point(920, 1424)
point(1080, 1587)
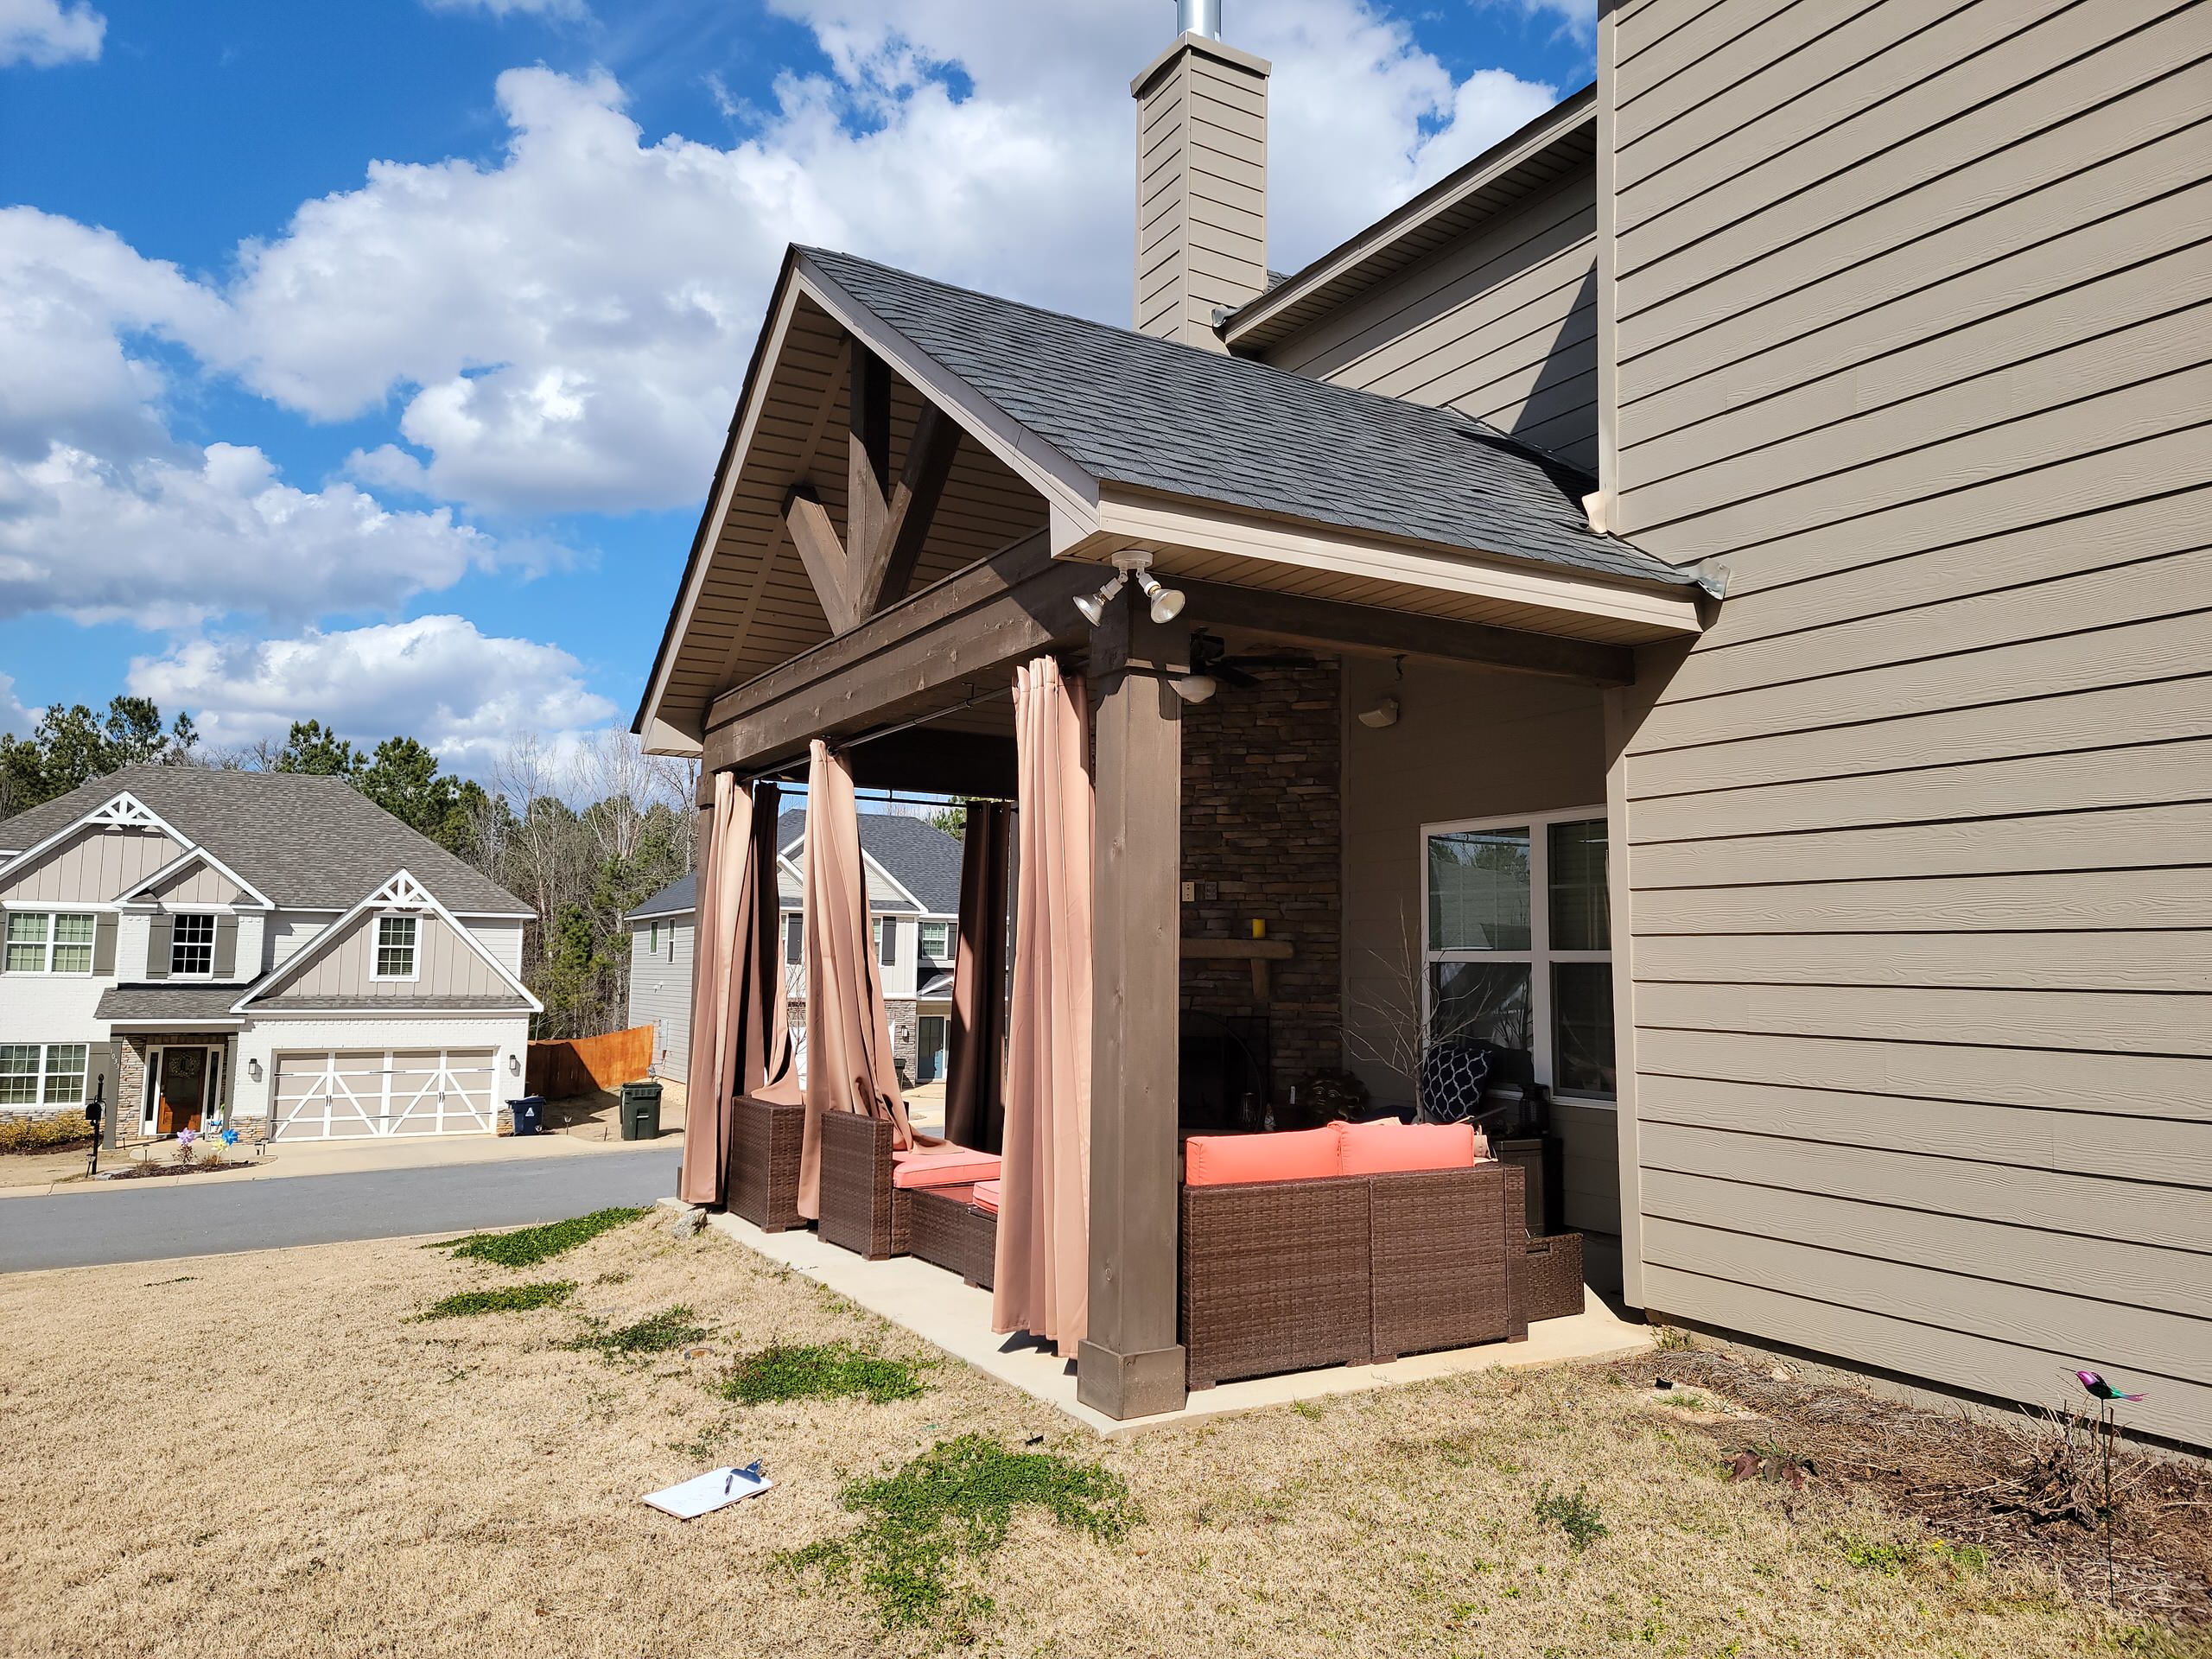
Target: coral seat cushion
point(1234, 1160)
point(986, 1197)
point(956, 1167)
point(1390, 1148)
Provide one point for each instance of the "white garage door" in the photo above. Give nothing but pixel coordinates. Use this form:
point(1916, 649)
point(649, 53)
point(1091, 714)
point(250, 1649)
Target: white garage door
point(356, 1093)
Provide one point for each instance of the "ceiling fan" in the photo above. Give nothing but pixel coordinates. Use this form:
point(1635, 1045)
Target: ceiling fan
point(1210, 659)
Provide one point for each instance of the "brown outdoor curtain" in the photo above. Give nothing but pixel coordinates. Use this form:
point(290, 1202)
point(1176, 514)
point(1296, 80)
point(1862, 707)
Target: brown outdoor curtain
point(974, 1098)
point(741, 1041)
point(1044, 1244)
point(848, 1062)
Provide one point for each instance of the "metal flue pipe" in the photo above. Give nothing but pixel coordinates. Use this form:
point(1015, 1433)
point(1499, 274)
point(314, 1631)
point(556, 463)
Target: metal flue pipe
point(1198, 17)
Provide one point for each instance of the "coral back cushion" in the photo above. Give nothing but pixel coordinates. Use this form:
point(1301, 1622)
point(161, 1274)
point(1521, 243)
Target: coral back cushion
point(1235, 1159)
point(1389, 1146)
point(986, 1197)
point(953, 1167)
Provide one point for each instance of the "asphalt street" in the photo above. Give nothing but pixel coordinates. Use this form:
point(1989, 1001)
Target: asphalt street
point(75, 1230)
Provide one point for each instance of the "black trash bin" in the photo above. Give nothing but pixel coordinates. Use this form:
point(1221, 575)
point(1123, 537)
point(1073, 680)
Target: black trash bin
point(641, 1111)
point(529, 1113)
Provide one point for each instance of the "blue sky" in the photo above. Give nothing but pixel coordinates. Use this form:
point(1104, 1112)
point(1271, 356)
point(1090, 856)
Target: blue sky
point(368, 361)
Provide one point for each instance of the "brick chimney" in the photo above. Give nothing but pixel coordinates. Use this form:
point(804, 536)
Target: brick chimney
point(1201, 180)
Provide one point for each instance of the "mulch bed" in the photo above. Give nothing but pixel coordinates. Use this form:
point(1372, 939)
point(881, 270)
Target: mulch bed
point(148, 1171)
point(2022, 1488)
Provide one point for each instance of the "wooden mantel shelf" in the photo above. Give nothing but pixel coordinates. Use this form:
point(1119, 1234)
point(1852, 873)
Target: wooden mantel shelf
point(1258, 952)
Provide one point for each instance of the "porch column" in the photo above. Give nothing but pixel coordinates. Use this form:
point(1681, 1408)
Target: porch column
point(1131, 1364)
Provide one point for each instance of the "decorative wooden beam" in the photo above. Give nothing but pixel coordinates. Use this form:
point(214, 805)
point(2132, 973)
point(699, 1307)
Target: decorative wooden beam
point(886, 565)
point(823, 555)
point(1330, 625)
point(868, 461)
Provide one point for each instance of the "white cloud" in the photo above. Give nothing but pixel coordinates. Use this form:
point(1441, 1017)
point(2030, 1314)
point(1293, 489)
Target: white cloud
point(15, 719)
point(43, 33)
point(1577, 18)
point(566, 329)
point(104, 514)
point(570, 9)
point(468, 695)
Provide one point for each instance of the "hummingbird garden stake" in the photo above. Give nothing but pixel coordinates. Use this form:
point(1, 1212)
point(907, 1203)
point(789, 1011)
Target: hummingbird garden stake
point(2107, 1397)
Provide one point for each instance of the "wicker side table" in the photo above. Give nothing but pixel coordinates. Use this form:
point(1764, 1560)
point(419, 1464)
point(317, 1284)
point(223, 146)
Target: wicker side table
point(1552, 1276)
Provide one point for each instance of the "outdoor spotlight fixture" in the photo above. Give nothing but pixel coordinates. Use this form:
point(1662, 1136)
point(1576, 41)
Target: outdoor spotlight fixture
point(1194, 688)
point(1383, 711)
point(1166, 603)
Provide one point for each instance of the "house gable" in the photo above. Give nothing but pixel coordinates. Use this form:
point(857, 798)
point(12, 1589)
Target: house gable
point(198, 878)
point(337, 968)
point(90, 863)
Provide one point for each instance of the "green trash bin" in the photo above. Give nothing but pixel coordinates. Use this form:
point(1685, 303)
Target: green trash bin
point(641, 1111)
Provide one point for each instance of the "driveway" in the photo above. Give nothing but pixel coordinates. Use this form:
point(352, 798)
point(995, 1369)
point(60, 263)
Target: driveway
point(151, 1220)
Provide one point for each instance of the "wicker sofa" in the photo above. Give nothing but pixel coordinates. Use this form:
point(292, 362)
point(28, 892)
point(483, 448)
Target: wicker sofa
point(763, 1174)
point(870, 1189)
point(1292, 1275)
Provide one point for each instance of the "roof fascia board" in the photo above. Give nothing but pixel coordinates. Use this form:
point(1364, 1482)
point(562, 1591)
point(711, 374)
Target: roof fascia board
point(1158, 520)
point(867, 858)
point(153, 820)
point(767, 348)
point(198, 855)
point(425, 899)
point(1484, 169)
point(189, 1022)
point(401, 1012)
point(1070, 490)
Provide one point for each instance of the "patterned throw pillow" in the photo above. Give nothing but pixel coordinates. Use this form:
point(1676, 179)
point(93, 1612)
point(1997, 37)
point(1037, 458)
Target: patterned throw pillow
point(1452, 1079)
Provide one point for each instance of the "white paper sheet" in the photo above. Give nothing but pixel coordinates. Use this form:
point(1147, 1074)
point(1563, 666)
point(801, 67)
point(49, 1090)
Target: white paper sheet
point(704, 1494)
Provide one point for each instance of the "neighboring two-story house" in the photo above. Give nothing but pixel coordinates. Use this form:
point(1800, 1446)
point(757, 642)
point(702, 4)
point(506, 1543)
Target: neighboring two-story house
point(271, 946)
point(913, 890)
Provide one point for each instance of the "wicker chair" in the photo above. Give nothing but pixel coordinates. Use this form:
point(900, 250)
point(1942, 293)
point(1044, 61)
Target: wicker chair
point(1275, 1278)
point(950, 1232)
point(1446, 1259)
point(861, 1210)
point(763, 1149)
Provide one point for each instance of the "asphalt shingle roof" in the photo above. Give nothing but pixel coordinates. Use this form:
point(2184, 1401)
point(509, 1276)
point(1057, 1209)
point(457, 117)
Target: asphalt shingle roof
point(306, 842)
point(919, 855)
point(128, 1002)
point(1133, 409)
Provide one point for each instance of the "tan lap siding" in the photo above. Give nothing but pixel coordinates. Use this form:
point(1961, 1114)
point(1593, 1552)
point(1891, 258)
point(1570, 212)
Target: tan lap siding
point(1499, 324)
point(1913, 322)
point(660, 991)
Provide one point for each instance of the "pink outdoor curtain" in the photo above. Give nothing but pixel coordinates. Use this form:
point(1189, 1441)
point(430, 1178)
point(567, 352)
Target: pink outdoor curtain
point(1044, 1243)
point(848, 1061)
point(975, 1088)
point(741, 1041)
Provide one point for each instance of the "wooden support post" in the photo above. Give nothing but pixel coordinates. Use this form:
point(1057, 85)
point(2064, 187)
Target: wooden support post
point(1131, 1364)
point(869, 457)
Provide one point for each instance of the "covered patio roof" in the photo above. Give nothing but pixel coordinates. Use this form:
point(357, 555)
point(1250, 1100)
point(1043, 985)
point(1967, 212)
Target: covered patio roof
point(984, 428)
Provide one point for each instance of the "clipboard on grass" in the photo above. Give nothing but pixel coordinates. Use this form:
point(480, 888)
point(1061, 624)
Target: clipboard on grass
point(715, 1490)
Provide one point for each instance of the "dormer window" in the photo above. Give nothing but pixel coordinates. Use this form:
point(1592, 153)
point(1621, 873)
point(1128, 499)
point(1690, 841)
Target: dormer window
point(192, 946)
point(395, 938)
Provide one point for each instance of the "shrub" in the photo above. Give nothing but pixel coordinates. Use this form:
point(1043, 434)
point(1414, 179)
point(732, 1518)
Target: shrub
point(513, 1299)
point(836, 1370)
point(1575, 1515)
point(957, 1499)
point(527, 1246)
point(44, 1134)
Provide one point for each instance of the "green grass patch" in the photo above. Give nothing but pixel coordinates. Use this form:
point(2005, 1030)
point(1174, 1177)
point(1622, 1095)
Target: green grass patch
point(511, 1298)
point(836, 1370)
point(527, 1246)
point(673, 1327)
point(1875, 1555)
point(953, 1503)
point(1574, 1514)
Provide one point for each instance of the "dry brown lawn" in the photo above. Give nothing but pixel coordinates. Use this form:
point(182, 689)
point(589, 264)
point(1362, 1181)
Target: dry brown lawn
point(265, 1454)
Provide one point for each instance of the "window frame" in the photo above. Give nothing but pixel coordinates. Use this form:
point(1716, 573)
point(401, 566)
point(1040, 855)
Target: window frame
point(885, 940)
point(176, 919)
point(42, 1074)
point(794, 938)
point(945, 932)
point(1540, 958)
point(48, 944)
point(413, 947)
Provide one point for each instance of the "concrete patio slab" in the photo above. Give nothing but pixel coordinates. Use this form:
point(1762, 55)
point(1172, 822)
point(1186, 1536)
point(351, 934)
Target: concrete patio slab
point(956, 1317)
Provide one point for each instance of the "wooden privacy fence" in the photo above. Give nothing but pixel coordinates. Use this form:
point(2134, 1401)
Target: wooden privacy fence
point(565, 1067)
